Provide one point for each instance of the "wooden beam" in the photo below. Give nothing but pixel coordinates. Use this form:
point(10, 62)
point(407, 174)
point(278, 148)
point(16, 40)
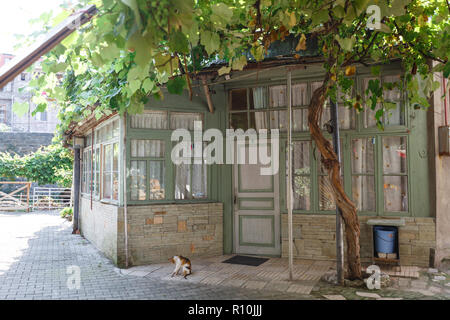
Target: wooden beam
point(38, 49)
point(208, 95)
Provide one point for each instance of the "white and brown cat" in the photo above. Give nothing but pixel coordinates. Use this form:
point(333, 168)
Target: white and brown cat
point(182, 263)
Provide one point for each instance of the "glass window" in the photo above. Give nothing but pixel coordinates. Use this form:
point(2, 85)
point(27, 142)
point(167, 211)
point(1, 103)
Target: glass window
point(111, 171)
point(301, 175)
point(147, 174)
point(138, 176)
point(191, 180)
point(363, 173)
point(184, 120)
point(149, 120)
point(395, 180)
point(395, 114)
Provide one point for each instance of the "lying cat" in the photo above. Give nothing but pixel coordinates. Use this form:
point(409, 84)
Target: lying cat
point(181, 263)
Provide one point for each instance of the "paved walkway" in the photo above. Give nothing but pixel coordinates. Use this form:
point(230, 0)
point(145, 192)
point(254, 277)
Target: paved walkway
point(272, 275)
point(37, 248)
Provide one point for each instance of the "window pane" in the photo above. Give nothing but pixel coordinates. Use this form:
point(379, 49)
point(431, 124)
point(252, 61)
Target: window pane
point(182, 181)
point(363, 190)
point(258, 120)
point(184, 120)
point(115, 173)
point(239, 121)
point(300, 157)
point(115, 128)
point(363, 155)
point(199, 181)
point(394, 155)
point(107, 171)
point(137, 180)
point(147, 148)
point(369, 114)
point(157, 186)
point(299, 94)
point(149, 120)
point(278, 120)
point(277, 96)
point(239, 99)
point(395, 193)
point(300, 120)
point(346, 117)
point(258, 98)
point(326, 200)
point(301, 191)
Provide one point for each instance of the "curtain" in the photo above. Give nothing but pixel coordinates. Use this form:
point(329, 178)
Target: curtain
point(260, 102)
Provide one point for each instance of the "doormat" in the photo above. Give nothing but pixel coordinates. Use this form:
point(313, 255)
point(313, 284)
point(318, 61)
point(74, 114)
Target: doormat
point(248, 261)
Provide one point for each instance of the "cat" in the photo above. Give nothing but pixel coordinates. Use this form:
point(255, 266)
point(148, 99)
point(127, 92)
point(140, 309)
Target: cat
point(181, 263)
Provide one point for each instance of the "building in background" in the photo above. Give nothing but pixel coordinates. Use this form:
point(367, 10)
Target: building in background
point(27, 133)
point(43, 122)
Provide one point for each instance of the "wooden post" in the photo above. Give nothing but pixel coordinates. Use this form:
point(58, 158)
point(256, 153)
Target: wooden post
point(339, 231)
point(28, 196)
point(76, 187)
point(289, 193)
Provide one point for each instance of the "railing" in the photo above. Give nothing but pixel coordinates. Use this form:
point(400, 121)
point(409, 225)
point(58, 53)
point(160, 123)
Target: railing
point(51, 198)
point(18, 199)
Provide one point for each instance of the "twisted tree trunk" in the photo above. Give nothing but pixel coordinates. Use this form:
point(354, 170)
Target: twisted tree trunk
point(331, 163)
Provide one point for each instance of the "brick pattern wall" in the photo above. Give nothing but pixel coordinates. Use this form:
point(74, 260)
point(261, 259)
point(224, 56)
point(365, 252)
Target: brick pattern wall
point(22, 142)
point(99, 226)
point(315, 238)
point(157, 232)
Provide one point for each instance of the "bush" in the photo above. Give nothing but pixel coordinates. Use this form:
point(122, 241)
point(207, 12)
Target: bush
point(67, 213)
point(48, 165)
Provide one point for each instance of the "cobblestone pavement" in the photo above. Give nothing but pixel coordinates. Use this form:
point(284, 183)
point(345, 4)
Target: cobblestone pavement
point(37, 248)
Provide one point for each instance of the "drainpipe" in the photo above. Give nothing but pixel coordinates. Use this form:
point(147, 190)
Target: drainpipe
point(124, 175)
point(289, 193)
point(339, 231)
point(76, 187)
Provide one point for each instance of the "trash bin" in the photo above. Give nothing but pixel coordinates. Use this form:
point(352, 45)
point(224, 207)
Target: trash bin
point(385, 238)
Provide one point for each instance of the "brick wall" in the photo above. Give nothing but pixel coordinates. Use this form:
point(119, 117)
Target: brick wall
point(23, 142)
point(99, 226)
point(314, 238)
point(157, 232)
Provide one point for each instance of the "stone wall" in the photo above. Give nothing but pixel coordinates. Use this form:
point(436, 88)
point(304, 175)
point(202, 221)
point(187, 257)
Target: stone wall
point(315, 238)
point(157, 232)
point(99, 226)
point(23, 142)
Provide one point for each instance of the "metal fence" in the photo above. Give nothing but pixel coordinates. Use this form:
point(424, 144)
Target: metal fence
point(51, 198)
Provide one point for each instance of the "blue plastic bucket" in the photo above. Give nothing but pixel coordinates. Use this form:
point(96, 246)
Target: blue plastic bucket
point(385, 239)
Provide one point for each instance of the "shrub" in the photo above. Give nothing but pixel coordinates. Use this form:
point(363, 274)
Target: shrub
point(67, 213)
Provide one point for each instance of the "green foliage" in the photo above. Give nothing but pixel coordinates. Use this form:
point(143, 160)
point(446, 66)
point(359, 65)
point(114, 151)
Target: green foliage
point(48, 165)
point(133, 48)
point(66, 213)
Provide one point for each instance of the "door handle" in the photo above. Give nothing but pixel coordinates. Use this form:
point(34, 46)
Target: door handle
point(234, 199)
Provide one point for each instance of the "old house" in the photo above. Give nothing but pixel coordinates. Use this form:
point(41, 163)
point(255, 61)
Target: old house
point(395, 176)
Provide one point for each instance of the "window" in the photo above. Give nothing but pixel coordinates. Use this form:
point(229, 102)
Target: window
point(3, 118)
point(150, 173)
point(111, 171)
point(363, 173)
point(147, 170)
point(393, 102)
point(301, 175)
point(191, 179)
point(395, 179)
point(149, 120)
point(266, 108)
point(100, 176)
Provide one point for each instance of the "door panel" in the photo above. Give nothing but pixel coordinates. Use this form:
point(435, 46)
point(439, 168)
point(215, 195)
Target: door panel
point(256, 211)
